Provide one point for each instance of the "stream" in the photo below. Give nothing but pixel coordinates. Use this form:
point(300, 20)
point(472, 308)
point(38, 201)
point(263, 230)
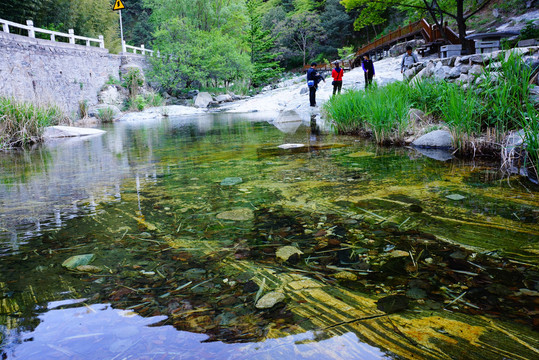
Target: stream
point(231, 236)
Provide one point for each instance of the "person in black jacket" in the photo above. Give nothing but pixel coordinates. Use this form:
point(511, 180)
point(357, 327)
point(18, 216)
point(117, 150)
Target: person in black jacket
point(368, 68)
point(313, 78)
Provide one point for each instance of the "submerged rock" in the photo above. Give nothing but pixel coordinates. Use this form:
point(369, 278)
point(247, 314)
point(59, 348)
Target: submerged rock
point(243, 214)
point(78, 260)
point(286, 252)
point(392, 303)
point(230, 181)
point(89, 268)
point(456, 197)
point(345, 275)
point(269, 300)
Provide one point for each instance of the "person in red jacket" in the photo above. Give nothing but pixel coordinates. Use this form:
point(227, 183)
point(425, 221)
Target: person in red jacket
point(337, 74)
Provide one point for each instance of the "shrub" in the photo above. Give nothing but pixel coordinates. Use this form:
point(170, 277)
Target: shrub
point(133, 81)
point(105, 114)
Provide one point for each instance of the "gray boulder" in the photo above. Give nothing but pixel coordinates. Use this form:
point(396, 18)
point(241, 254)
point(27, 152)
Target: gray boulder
point(223, 98)
point(464, 79)
point(112, 95)
point(465, 68)
point(454, 72)
point(442, 73)
point(440, 139)
point(203, 99)
point(475, 70)
point(53, 132)
point(410, 73)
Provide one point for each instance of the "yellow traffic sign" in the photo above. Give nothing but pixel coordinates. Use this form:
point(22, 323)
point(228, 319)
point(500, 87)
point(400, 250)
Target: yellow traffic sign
point(118, 5)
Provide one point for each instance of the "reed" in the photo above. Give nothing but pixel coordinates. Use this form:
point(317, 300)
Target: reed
point(529, 121)
point(380, 111)
point(105, 114)
point(23, 123)
point(460, 109)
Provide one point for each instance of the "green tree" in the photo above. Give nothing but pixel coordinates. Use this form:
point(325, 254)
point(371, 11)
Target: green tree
point(190, 56)
point(301, 31)
point(261, 43)
point(338, 26)
point(459, 10)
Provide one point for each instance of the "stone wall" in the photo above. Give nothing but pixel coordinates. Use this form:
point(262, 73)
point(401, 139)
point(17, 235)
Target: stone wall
point(468, 70)
point(46, 72)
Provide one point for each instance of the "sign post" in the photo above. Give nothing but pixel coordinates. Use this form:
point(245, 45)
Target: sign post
point(118, 5)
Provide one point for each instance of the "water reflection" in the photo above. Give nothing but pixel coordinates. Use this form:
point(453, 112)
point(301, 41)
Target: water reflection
point(369, 222)
point(99, 331)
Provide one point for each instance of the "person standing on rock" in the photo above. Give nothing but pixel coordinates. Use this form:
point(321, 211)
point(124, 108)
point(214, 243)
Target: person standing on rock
point(368, 68)
point(337, 74)
point(408, 59)
point(313, 78)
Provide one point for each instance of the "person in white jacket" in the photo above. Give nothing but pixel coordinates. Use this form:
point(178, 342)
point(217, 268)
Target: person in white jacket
point(408, 59)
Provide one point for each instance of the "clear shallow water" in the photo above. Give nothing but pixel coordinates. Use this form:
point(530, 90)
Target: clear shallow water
point(148, 199)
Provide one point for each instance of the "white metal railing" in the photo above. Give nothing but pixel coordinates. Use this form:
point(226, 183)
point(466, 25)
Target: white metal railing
point(135, 49)
point(53, 34)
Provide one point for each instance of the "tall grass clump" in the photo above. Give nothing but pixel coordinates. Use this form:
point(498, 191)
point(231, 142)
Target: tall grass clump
point(381, 111)
point(348, 112)
point(529, 122)
point(154, 99)
point(504, 91)
point(461, 111)
point(105, 114)
point(23, 123)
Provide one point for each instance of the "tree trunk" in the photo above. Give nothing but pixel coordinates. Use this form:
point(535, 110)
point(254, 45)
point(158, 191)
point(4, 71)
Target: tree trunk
point(461, 23)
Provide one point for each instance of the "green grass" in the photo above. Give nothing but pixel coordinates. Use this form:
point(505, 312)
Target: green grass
point(23, 123)
point(380, 111)
point(494, 107)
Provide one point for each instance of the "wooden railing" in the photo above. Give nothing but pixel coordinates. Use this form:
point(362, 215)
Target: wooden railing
point(431, 33)
point(345, 64)
point(32, 30)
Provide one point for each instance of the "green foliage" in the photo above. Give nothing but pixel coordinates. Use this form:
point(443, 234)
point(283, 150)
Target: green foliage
point(300, 33)
point(531, 31)
point(133, 81)
point(105, 114)
point(136, 23)
point(23, 123)
point(113, 81)
point(137, 103)
point(191, 57)
point(345, 51)
point(265, 64)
